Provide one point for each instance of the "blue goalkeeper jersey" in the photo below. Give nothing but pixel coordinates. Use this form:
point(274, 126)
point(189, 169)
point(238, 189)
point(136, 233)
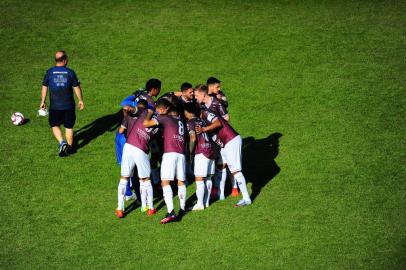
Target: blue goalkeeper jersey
point(60, 82)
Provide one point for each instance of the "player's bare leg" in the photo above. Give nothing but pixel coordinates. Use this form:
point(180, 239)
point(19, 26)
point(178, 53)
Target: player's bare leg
point(63, 146)
point(69, 135)
point(57, 133)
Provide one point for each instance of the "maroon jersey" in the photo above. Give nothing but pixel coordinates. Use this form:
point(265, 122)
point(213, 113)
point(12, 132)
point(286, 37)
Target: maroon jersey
point(173, 133)
point(220, 96)
point(144, 95)
point(204, 145)
point(138, 135)
point(216, 107)
point(128, 121)
point(221, 135)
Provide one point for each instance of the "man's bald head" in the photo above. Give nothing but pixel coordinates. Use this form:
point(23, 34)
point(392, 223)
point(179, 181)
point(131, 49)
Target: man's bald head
point(61, 57)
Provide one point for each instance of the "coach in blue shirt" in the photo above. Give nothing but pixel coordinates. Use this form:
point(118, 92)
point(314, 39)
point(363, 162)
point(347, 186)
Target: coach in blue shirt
point(62, 82)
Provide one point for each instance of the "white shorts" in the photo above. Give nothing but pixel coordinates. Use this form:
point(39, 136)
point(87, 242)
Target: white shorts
point(173, 166)
point(133, 156)
point(203, 166)
point(231, 154)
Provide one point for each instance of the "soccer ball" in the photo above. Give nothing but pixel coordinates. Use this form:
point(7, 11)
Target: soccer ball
point(17, 118)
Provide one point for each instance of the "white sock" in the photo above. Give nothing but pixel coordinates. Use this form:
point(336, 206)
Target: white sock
point(209, 185)
point(150, 194)
point(121, 193)
point(222, 182)
point(240, 179)
point(200, 192)
point(143, 192)
point(168, 197)
point(155, 175)
point(182, 196)
point(233, 182)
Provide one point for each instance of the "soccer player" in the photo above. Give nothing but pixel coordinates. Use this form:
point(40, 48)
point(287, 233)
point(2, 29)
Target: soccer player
point(229, 140)
point(152, 89)
point(130, 109)
point(214, 89)
point(173, 159)
point(187, 94)
point(135, 153)
point(62, 82)
point(204, 156)
point(213, 104)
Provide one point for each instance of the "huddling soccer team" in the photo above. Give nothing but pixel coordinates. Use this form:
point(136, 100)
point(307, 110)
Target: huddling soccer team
point(180, 131)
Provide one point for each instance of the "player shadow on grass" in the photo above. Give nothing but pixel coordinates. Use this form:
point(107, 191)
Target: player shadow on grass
point(98, 127)
point(259, 166)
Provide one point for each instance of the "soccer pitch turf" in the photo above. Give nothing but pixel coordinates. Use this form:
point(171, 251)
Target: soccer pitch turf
point(328, 76)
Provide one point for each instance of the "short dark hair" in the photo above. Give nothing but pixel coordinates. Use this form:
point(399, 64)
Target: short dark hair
point(170, 96)
point(212, 80)
point(185, 86)
point(142, 103)
point(152, 83)
point(191, 107)
point(62, 58)
point(201, 88)
point(163, 102)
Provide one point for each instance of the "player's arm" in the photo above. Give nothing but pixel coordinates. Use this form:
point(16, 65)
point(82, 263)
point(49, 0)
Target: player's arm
point(129, 109)
point(78, 92)
point(223, 111)
point(148, 121)
point(214, 125)
point(44, 91)
point(192, 142)
point(121, 129)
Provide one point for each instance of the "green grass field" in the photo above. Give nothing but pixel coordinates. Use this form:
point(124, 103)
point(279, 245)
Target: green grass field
point(329, 76)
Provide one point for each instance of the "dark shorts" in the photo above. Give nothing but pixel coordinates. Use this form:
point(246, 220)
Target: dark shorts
point(62, 117)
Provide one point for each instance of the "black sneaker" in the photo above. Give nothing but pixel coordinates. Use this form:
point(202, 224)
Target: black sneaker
point(63, 146)
point(169, 217)
point(70, 150)
point(181, 213)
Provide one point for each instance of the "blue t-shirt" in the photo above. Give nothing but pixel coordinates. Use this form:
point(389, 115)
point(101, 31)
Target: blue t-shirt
point(60, 82)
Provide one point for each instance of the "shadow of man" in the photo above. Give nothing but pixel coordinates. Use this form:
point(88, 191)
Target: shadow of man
point(97, 128)
point(259, 166)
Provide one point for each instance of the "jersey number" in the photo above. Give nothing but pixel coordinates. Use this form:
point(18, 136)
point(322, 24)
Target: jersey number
point(206, 138)
point(181, 128)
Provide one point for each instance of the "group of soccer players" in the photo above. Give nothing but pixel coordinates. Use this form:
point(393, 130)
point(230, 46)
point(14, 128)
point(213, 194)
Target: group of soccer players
point(180, 130)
